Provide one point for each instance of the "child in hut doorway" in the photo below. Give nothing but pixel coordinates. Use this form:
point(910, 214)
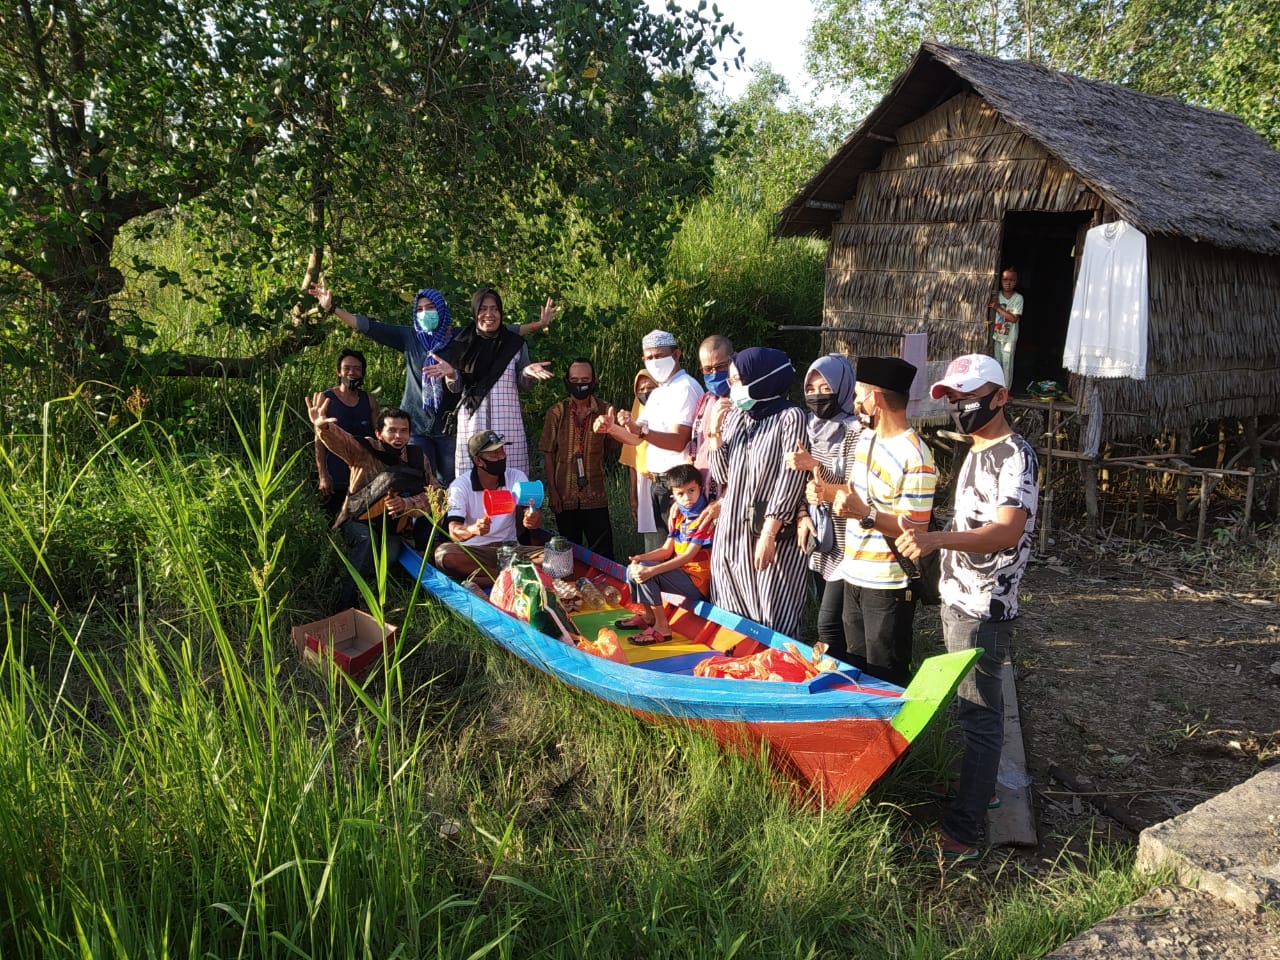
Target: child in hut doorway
point(1006, 306)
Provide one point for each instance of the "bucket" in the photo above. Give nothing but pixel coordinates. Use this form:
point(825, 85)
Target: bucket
point(499, 503)
point(528, 493)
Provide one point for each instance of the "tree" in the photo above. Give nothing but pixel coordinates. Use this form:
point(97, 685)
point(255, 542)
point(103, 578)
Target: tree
point(297, 128)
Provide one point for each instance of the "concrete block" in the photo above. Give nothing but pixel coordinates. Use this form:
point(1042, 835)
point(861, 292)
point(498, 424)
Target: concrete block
point(1228, 846)
point(1175, 923)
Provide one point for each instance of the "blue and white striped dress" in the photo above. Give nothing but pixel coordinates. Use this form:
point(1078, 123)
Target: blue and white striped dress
point(749, 466)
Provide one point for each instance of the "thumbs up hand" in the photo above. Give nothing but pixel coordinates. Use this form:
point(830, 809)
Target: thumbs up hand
point(604, 422)
point(800, 458)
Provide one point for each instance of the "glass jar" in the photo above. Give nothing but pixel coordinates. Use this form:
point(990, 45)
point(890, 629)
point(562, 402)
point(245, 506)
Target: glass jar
point(507, 554)
point(557, 558)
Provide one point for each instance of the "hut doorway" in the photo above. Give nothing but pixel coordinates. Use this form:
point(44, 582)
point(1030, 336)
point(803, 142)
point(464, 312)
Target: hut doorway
point(1042, 247)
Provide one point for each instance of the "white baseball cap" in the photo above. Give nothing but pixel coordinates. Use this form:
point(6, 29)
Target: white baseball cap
point(968, 373)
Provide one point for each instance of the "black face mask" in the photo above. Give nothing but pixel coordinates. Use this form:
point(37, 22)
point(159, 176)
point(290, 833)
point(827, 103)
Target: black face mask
point(495, 468)
point(824, 406)
point(643, 396)
point(352, 383)
point(580, 391)
point(976, 413)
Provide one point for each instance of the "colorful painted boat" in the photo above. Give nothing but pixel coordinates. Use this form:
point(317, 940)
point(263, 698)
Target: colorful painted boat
point(834, 736)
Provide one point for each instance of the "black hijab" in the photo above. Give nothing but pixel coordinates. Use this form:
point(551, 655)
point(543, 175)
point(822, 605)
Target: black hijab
point(481, 360)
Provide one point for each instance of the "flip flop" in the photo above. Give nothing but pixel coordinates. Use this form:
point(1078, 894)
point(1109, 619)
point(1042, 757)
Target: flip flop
point(929, 841)
point(649, 636)
point(633, 622)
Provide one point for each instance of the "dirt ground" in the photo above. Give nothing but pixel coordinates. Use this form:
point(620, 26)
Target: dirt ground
point(1143, 687)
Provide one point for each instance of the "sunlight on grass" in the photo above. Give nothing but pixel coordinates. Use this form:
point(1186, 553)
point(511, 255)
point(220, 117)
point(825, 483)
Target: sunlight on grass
point(176, 783)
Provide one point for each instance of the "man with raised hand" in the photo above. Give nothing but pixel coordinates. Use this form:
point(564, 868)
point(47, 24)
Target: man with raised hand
point(389, 478)
point(665, 423)
point(985, 550)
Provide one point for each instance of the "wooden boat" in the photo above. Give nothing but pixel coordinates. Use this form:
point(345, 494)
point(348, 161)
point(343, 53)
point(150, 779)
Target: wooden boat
point(833, 736)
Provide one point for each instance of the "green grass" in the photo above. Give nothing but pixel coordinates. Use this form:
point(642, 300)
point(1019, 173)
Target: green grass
point(174, 782)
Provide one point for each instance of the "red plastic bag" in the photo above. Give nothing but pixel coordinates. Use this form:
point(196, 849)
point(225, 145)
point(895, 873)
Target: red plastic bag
point(777, 665)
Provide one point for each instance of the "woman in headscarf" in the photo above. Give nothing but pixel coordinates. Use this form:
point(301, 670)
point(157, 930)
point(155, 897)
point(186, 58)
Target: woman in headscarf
point(757, 569)
point(833, 429)
point(427, 404)
point(487, 363)
point(634, 458)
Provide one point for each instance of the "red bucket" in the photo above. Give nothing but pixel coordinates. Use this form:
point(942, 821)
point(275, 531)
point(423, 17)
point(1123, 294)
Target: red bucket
point(499, 503)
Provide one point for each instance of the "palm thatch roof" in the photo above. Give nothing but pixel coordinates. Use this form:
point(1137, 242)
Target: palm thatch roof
point(1166, 167)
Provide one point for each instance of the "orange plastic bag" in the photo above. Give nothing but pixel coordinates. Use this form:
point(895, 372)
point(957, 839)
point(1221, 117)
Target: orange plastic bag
point(604, 645)
point(771, 664)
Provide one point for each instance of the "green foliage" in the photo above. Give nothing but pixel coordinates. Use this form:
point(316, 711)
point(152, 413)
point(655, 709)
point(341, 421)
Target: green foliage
point(1224, 54)
point(425, 138)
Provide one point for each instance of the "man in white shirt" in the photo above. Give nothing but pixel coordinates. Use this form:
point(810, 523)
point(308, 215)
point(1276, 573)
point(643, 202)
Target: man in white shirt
point(665, 423)
point(477, 534)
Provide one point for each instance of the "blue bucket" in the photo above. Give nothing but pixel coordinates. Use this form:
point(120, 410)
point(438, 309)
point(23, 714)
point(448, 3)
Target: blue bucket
point(528, 493)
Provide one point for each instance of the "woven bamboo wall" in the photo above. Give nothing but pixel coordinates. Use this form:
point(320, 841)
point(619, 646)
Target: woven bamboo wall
point(922, 234)
point(1213, 343)
point(925, 227)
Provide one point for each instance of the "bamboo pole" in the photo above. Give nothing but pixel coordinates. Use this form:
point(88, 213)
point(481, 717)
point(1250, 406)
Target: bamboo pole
point(1204, 507)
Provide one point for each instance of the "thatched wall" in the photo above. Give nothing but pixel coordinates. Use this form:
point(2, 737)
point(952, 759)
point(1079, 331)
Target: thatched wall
point(1213, 343)
point(923, 230)
point(921, 238)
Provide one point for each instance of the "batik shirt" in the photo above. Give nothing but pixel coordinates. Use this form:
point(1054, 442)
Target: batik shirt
point(985, 585)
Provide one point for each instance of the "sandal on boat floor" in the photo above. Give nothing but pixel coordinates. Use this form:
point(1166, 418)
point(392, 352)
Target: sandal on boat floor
point(633, 622)
point(649, 636)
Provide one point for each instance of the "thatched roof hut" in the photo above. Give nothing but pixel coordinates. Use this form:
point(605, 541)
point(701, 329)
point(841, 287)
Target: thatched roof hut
point(971, 163)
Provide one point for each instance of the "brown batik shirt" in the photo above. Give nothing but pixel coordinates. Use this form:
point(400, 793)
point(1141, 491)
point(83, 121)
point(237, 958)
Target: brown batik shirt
point(565, 438)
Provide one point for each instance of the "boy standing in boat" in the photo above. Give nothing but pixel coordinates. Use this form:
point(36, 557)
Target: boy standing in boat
point(985, 550)
point(681, 565)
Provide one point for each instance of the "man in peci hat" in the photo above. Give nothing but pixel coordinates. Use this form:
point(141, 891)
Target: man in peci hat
point(891, 481)
point(985, 550)
point(665, 423)
point(476, 533)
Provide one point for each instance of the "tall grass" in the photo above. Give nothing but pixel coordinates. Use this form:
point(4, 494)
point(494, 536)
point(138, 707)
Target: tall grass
point(173, 782)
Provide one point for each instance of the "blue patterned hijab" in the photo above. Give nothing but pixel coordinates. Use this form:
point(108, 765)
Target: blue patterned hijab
point(432, 341)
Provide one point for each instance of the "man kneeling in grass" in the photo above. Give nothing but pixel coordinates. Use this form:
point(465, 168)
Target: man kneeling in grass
point(389, 479)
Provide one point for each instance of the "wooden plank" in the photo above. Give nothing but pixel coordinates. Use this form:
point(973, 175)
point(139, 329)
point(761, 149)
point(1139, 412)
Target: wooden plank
point(1013, 823)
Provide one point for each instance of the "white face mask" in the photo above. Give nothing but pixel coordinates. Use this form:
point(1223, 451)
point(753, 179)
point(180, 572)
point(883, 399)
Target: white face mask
point(661, 368)
point(740, 393)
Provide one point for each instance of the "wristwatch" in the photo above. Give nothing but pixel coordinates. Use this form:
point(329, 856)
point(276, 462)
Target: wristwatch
point(869, 521)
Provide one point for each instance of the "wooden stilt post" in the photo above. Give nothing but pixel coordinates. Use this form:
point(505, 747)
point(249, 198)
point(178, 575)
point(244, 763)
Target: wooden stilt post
point(1182, 445)
point(1140, 507)
point(1204, 506)
point(1248, 498)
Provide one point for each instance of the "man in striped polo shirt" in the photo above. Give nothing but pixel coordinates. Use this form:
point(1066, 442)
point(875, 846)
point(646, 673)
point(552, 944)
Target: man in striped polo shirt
point(892, 476)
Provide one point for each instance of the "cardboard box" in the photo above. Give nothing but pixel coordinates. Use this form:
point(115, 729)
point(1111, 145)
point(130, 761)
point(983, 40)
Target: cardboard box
point(352, 638)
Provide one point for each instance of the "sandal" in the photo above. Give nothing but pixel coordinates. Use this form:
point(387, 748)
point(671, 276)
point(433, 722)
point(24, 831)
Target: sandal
point(934, 843)
point(633, 622)
point(649, 636)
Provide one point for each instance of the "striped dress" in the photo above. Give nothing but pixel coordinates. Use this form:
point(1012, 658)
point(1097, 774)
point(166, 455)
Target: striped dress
point(499, 410)
point(748, 464)
point(828, 562)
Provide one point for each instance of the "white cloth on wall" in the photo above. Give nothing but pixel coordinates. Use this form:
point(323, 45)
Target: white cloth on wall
point(1107, 333)
point(915, 350)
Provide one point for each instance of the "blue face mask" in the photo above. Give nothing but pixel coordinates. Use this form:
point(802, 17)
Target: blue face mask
point(717, 383)
point(428, 320)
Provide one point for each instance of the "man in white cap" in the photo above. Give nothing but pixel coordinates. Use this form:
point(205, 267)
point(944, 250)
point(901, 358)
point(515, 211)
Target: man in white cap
point(985, 550)
point(665, 423)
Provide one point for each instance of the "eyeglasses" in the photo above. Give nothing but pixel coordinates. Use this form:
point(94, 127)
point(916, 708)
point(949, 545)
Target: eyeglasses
point(716, 367)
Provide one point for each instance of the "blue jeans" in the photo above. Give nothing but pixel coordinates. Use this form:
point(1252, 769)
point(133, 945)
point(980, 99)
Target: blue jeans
point(362, 538)
point(673, 581)
point(438, 449)
point(980, 713)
